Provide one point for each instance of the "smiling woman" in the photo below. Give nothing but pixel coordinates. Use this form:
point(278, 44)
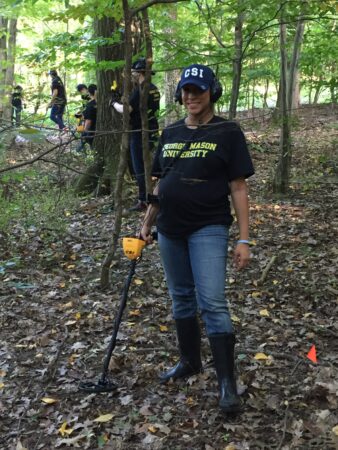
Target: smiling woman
point(201, 160)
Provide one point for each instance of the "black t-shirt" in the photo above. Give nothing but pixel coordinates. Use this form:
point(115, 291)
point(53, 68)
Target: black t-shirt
point(85, 99)
point(90, 114)
point(153, 107)
point(194, 192)
point(17, 99)
point(60, 99)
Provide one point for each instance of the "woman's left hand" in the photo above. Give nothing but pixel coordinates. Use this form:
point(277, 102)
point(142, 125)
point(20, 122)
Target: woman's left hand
point(241, 256)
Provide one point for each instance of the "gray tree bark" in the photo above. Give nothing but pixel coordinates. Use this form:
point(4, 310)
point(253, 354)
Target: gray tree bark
point(237, 65)
point(293, 72)
point(10, 65)
point(101, 175)
point(282, 174)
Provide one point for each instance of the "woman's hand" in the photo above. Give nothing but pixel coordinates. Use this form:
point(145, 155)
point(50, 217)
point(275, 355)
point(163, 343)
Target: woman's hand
point(241, 256)
point(145, 234)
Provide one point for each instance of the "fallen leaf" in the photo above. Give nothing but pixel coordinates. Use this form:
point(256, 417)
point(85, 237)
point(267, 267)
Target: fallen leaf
point(126, 399)
point(145, 411)
point(2, 385)
point(261, 356)
point(48, 400)
point(335, 430)
point(73, 440)
point(235, 319)
point(264, 313)
point(138, 281)
point(135, 312)
point(104, 418)
point(63, 430)
point(163, 328)
point(152, 429)
point(19, 446)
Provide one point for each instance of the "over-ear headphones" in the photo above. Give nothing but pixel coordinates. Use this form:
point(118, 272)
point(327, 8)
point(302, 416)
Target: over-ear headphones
point(216, 91)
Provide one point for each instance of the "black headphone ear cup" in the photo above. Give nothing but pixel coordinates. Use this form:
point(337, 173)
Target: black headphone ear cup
point(216, 91)
point(178, 94)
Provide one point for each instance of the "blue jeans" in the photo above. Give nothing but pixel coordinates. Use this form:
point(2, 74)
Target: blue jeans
point(56, 114)
point(195, 269)
point(136, 153)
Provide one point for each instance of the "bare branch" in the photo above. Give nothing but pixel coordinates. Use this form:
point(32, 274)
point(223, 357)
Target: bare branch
point(36, 158)
point(153, 2)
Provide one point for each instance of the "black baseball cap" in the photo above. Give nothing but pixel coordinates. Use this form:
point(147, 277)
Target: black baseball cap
point(198, 75)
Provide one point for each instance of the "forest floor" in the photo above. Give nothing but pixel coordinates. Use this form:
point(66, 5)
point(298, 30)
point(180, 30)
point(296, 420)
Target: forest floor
point(55, 323)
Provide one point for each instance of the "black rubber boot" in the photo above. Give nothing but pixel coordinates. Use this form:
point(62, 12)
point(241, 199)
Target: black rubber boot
point(222, 347)
point(189, 342)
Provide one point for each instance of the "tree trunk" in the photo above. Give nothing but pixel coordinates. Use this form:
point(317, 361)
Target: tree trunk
point(11, 45)
point(294, 64)
point(282, 174)
point(3, 60)
point(171, 77)
point(317, 90)
point(144, 102)
point(266, 93)
point(100, 176)
point(237, 65)
point(122, 165)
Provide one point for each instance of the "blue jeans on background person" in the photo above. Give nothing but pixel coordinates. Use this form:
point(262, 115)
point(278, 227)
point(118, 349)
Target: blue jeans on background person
point(195, 269)
point(56, 114)
point(136, 153)
point(16, 115)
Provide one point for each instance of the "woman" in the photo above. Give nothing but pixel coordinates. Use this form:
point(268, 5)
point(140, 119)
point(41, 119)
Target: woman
point(200, 161)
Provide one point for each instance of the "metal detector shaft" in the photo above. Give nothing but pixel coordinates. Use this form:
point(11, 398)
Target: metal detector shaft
point(118, 318)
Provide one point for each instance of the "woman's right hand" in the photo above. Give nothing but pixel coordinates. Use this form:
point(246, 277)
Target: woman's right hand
point(145, 234)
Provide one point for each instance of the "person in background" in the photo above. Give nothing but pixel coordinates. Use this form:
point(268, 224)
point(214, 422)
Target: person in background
point(58, 101)
point(136, 149)
point(17, 105)
point(201, 161)
point(82, 89)
point(89, 116)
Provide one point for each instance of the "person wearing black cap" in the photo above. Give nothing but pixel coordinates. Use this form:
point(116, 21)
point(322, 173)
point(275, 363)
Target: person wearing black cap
point(58, 101)
point(83, 90)
point(17, 97)
point(201, 161)
point(89, 116)
point(136, 149)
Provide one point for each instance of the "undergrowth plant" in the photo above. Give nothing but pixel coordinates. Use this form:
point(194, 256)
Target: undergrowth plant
point(31, 200)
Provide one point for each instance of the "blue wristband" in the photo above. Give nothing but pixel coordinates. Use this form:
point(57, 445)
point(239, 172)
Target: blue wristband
point(243, 241)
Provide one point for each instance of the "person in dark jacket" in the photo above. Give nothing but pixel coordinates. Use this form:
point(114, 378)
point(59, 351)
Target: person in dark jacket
point(136, 148)
point(17, 105)
point(89, 116)
point(200, 162)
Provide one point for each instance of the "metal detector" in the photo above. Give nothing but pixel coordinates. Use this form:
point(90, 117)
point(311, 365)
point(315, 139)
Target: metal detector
point(133, 250)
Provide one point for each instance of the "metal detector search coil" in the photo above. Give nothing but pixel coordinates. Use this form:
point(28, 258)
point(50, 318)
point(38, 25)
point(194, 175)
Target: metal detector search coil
point(133, 247)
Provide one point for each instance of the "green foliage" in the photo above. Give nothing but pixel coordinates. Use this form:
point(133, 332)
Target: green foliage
point(32, 199)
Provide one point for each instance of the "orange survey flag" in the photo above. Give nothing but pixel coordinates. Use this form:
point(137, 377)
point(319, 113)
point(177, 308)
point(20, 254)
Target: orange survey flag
point(312, 354)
